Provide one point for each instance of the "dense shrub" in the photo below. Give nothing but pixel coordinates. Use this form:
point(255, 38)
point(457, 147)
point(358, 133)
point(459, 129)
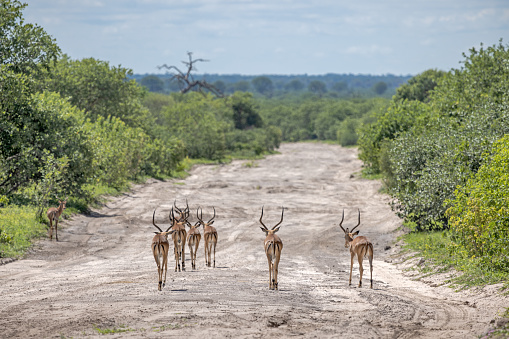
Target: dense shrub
point(479, 212)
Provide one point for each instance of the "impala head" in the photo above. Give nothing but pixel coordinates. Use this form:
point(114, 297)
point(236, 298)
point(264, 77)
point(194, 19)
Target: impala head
point(165, 233)
point(200, 216)
point(62, 203)
point(182, 214)
point(349, 234)
point(182, 220)
point(196, 225)
point(273, 229)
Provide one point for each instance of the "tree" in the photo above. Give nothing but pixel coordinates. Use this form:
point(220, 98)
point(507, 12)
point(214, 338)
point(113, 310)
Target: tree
point(100, 90)
point(244, 111)
point(317, 87)
point(380, 87)
point(263, 85)
point(186, 79)
point(419, 87)
point(242, 86)
point(153, 83)
point(340, 86)
point(294, 85)
point(220, 85)
point(24, 48)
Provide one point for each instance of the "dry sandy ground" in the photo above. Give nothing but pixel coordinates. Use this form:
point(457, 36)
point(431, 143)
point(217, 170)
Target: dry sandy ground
point(102, 275)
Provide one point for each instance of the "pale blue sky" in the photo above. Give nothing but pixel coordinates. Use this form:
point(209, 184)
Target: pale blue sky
point(255, 37)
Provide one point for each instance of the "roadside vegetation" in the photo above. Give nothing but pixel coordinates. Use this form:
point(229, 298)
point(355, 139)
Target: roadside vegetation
point(442, 149)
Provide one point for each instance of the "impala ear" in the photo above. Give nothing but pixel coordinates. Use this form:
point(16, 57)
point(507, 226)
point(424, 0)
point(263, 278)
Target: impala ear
point(276, 229)
point(211, 222)
point(355, 233)
point(263, 229)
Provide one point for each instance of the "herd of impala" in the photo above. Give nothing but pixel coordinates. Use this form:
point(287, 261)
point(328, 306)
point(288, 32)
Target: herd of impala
point(359, 246)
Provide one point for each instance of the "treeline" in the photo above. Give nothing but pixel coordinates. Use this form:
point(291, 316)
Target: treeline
point(329, 85)
point(442, 148)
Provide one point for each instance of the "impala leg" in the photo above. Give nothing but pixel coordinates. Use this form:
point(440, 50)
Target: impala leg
point(175, 251)
point(50, 231)
point(215, 254)
point(276, 270)
point(361, 269)
point(371, 268)
point(165, 265)
point(270, 273)
point(196, 253)
point(183, 254)
point(351, 267)
point(56, 229)
point(206, 246)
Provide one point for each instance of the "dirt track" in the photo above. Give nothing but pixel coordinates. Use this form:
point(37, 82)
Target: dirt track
point(102, 273)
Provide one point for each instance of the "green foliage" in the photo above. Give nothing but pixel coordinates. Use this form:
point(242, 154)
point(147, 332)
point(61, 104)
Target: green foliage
point(399, 117)
point(17, 227)
point(245, 114)
point(347, 132)
point(263, 85)
point(24, 48)
point(311, 117)
point(317, 87)
point(193, 120)
point(419, 87)
point(441, 254)
point(153, 83)
point(479, 212)
point(40, 128)
point(380, 87)
point(100, 90)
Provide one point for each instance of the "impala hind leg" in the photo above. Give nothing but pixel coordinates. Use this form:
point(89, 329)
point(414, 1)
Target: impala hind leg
point(183, 255)
point(165, 265)
point(351, 267)
point(276, 271)
point(271, 283)
point(56, 229)
point(50, 230)
point(361, 269)
point(371, 268)
point(215, 254)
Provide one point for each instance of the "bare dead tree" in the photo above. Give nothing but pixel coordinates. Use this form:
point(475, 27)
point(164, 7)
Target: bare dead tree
point(186, 80)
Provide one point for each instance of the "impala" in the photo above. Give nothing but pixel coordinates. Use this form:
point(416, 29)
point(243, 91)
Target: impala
point(193, 241)
point(181, 214)
point(360, 247)
point(160, 247)
point(210, 237)
point(179, 239)
point(273, 247)
point(53, 215)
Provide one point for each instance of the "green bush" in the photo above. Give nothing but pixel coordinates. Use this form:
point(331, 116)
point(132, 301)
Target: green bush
point(18, 226)
point(479, 211)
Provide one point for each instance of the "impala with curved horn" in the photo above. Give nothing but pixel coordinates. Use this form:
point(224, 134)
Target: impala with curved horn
point(181, 213)
point(193, 241)
point(273, 247)
point(359, 246)
point(179, 239)
point(53, 215)
point(160, 248)
point(210, 237)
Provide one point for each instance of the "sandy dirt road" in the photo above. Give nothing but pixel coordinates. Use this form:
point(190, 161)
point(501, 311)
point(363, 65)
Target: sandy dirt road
point(102, 275)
